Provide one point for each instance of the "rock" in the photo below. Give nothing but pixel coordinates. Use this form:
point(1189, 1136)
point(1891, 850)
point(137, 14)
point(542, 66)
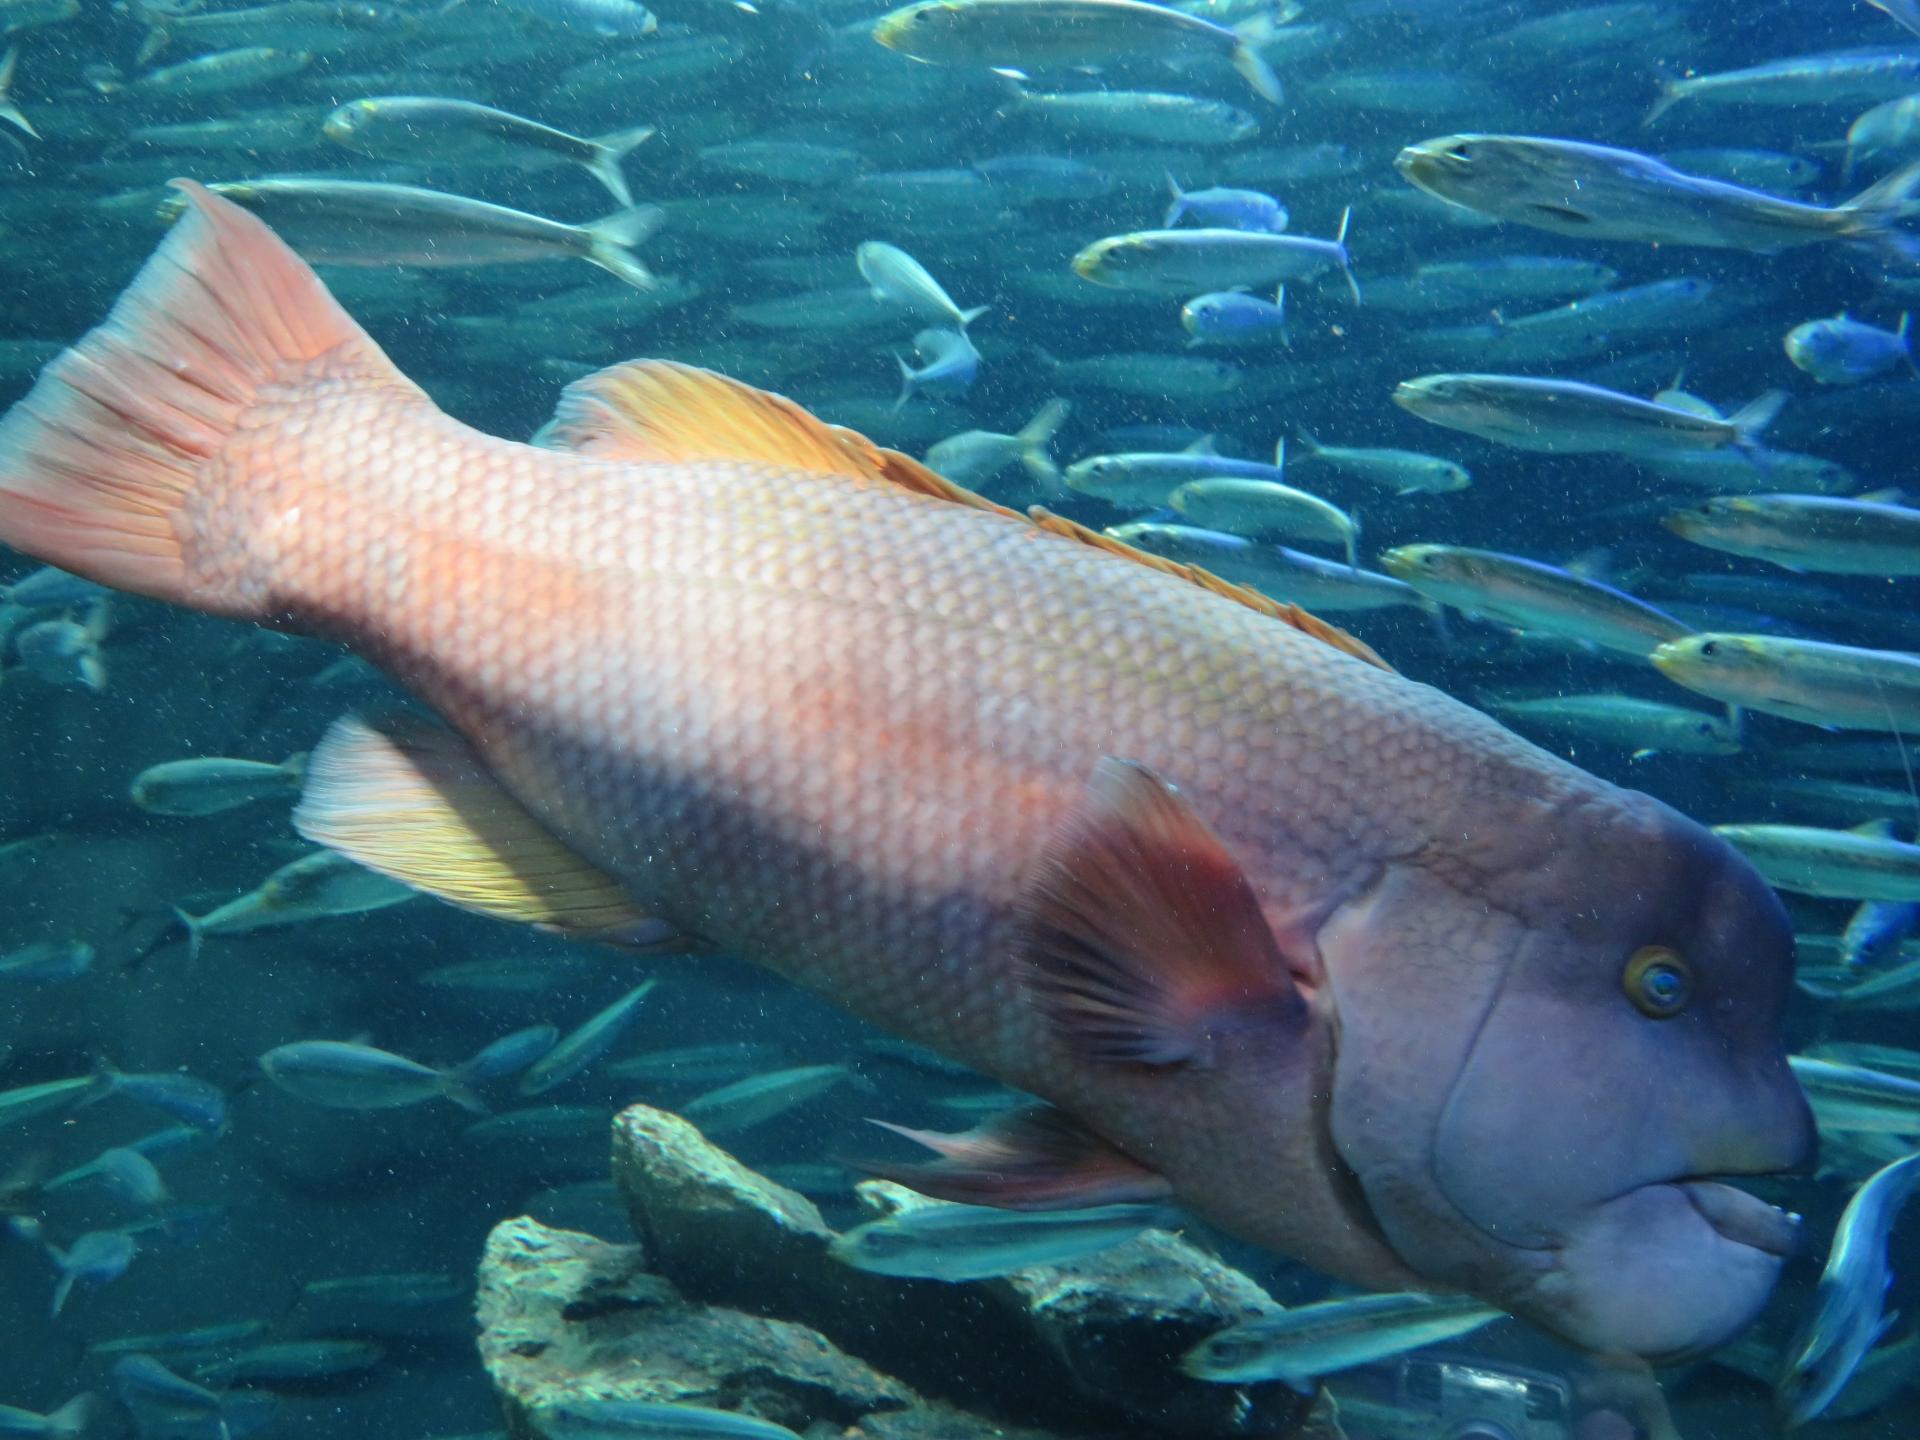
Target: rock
point(1061, 1344)
point(565, 1315)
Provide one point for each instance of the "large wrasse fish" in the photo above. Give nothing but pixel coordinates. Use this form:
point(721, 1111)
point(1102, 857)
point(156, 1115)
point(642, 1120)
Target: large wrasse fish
point(1337, 963)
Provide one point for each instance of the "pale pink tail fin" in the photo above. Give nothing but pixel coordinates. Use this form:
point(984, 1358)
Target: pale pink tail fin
point(103, 456)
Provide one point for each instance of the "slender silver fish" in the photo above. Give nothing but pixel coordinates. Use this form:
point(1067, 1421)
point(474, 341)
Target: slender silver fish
point(1599, 193)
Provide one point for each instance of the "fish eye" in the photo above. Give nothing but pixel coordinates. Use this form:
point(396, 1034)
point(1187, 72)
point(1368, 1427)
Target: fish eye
point(1709, 649)
point(1658, 981)
point(1462, 152)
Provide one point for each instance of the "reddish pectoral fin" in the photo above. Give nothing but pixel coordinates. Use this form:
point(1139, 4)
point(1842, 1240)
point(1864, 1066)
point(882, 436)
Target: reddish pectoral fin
point(409, 799)
point(1033, 1159)
point(1140, 939)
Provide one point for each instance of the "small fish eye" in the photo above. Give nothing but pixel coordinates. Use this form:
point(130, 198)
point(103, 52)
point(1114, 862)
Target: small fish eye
point(1658, 981)
point(1463, 153)
point(1710, 648)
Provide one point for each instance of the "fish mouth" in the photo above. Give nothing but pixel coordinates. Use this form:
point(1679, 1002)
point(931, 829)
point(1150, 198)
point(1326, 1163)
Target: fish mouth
point(1420, 165)
point(1742, 1218)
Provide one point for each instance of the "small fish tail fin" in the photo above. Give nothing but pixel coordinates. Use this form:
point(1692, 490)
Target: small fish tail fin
point(10, 112)
point(1036, 435)
point(967, 317)
point(73, 1419)
point(608, 151)
point(1670, 95)
point(908, 380)
point(1253, 68)
point(1314, 447)
point(125, 432)
point(610, 243)
point(1176, 202)
point(1751, 420)
point(196, 937)
point(1876, 213)
point(1346, 259)
point(106, 1077)
point(157, 38)
point(457, 1086)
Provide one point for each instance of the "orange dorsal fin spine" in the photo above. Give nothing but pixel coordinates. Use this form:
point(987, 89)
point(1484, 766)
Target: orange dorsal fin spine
point(660, 412)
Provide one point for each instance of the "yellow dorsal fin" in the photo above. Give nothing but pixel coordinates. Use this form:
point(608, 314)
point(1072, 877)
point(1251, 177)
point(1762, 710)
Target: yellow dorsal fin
point(408, 799)
point(1285, 613)
point(656, 411)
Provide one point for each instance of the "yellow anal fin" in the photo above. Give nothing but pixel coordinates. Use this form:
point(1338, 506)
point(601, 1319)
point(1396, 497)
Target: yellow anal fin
point(1286, 613)
point(658, 412)
point(409, 799)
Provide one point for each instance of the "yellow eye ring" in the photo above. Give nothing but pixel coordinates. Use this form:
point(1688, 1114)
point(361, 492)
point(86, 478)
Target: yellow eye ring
point(1658, 981)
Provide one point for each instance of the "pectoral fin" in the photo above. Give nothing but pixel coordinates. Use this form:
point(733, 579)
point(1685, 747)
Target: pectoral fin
point(1140, 939)
point(1033, 1159)
point(409, 799)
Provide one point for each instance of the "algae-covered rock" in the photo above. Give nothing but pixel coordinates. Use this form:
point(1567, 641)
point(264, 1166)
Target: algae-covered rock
point(566, 1316)
point(1090, 1346)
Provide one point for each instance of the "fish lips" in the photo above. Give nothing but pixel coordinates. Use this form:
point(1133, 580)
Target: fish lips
point(1743, 1218)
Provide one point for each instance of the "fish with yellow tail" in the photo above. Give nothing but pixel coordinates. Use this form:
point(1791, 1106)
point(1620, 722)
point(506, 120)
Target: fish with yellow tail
point(1325, 957)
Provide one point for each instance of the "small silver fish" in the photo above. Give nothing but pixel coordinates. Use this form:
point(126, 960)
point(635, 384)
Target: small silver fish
point(972, 1242)
point(1846, 1320)
point(1298, 1346)
point(213, 784)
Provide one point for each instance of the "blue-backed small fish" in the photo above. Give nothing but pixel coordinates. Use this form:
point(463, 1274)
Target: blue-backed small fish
point(1825, 533)
point(1317, 584)
point(1183, 261)
point(1851, 1095)
point(1005, 33)
point(1533, 596)
point(1845, 351)
point(974, 457)
point(1233, 317)
point(1840, 77)
point(596, 1418)
point(71, 1421)
point(1404, 472)
point(1223, 207)
point(1644, 727)
point(1865, 863)
point(1571, 417)
point(948, 365)
point(973, 1242)
point(211, 785)
point(1597, 192)
point(588, 1043)
point(1847, 1318)
point(756, 1099)
point(347, 1075)
point(47, 962)
point(418, 127)
point(1300, 1345)
point(1876, 931)
point(1836, 686)
point(897, 279)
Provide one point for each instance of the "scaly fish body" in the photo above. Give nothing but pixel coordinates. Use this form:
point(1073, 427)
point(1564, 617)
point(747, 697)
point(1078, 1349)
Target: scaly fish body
point(790, 696)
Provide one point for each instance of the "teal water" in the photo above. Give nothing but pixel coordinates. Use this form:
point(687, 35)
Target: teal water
point(786, 139)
